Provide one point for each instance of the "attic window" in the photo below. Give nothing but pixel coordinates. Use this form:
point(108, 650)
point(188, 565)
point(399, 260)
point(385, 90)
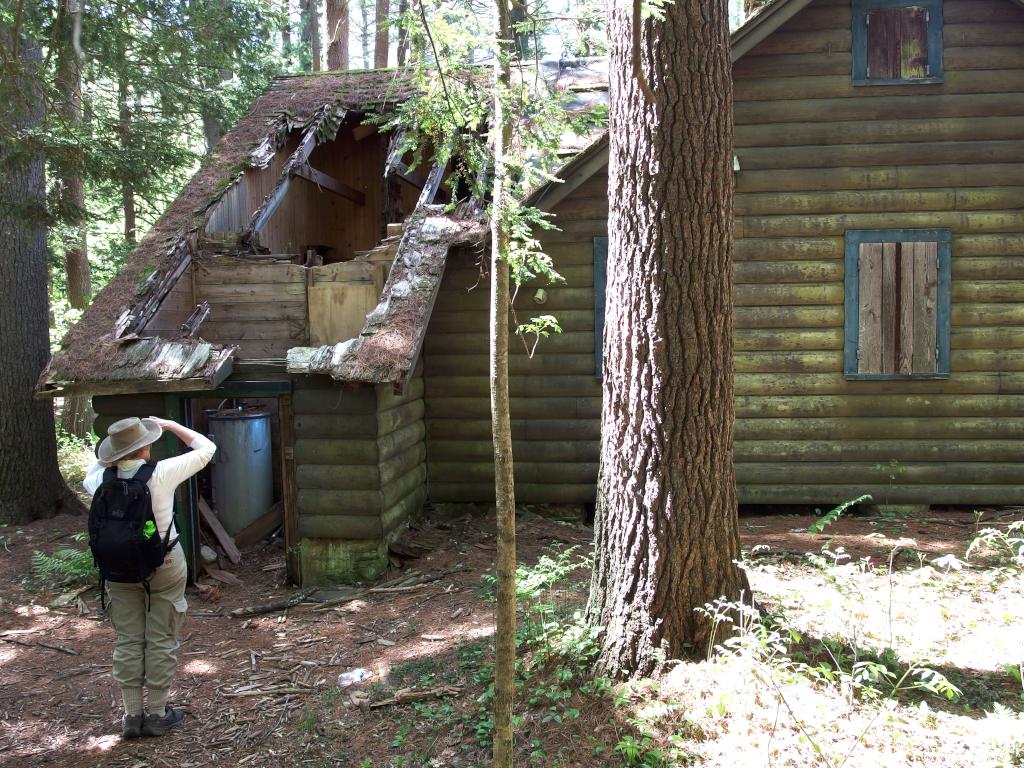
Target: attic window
point(897, 304)
point(897, 41)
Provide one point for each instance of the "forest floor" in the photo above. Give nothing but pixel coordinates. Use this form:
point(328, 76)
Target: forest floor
point(881, 647)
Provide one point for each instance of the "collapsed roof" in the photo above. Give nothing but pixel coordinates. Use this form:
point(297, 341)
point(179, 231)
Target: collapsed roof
point(109, 350)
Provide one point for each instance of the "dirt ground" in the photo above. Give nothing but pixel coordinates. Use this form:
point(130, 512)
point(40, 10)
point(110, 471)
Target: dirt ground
point(262, 691)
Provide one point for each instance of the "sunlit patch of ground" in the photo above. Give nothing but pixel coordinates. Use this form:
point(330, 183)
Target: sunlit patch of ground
point(262, 692)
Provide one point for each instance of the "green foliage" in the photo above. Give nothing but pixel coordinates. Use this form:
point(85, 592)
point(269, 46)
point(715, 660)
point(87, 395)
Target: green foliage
point(540, 328)
point(833, 514)
point(74, 457)
point(66, 566)
point(1005, 549)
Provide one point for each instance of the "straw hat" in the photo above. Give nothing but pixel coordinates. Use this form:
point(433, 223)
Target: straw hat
point(125, 436)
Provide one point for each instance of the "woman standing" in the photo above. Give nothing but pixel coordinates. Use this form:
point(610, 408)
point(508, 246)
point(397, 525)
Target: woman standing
point(147, 619)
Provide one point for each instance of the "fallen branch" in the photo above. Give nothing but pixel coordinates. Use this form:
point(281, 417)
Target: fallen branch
point(407, 695)
point(275, 605)
point(41, 644)
point(269, 692)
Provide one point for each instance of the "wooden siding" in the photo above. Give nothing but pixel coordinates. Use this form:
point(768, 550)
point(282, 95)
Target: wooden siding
point(819, 156)
point(360, 459)
point(259, 307)
point(555, 395)
point(310, 216)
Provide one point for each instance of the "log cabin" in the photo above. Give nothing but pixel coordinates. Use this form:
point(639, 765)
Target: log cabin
point(878, 265)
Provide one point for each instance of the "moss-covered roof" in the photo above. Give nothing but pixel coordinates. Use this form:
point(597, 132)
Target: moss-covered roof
point(103, 335)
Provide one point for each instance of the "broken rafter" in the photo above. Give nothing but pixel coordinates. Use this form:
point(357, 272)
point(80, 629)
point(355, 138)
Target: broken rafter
point(135, 319)
point(190, 327)
point(330, 183)
point(322, 128)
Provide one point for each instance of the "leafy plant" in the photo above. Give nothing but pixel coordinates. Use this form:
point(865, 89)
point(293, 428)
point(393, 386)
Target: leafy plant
point(1004, 548)
point(66, 566)
point(833, 514)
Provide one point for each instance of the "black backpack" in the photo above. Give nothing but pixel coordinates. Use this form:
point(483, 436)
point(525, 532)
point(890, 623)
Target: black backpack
point(121, 547)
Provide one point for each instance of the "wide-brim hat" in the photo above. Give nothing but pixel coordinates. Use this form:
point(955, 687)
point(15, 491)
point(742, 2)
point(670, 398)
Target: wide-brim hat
point(125, 436)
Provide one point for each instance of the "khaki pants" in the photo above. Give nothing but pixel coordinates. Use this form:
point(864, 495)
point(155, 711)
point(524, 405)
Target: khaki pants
point(147, 640)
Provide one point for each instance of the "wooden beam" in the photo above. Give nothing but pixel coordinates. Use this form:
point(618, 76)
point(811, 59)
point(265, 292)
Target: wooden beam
point(415, 179)
point(222, 536)
point(330, 183)
point(431, 185)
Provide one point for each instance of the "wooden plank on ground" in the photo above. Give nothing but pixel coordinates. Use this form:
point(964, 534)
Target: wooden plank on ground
point(222, 536)
point(261, 527)
point(869, 332)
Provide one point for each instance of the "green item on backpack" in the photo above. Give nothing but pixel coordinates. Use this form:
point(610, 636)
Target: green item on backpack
point(148, 529)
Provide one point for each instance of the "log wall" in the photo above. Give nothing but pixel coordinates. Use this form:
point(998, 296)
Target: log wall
point(360, 461)
point(819, 156)
point(555, 396)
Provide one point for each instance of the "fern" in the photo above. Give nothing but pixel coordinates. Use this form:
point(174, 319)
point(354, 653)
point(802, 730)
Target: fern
point(65, 566)
point(833, 514)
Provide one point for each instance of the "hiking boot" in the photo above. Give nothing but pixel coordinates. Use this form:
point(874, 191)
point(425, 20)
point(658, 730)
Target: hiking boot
point(131, 726)
point(155, 725)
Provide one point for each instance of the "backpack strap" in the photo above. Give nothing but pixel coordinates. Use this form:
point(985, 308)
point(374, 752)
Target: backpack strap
point(110, 473)
point(145, 472)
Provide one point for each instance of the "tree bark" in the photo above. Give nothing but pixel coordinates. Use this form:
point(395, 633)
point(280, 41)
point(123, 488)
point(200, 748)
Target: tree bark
point(286, 34)
point(76, 416)
point(364, 32)
point(31, 486)
point(127, 188)
point(403, 33)
point(666, 527)
point(337, 34)
point(380, 50)
point(311, 31)
point(501, 424)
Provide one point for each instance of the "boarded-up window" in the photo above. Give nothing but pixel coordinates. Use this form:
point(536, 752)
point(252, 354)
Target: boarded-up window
point(897, 307)
point(897, 304)
point(896, 42)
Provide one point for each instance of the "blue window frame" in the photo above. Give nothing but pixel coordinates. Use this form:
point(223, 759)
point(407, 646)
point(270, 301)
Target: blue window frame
point(896, 42)
point(897, 304)
point(600, 279)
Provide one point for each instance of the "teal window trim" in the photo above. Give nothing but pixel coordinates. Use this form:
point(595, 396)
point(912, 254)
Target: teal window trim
point(943, 298)
point(600, 281)
point(860, 41)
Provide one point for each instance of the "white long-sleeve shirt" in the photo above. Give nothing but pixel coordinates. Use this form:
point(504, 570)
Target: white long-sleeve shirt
point(168, 475)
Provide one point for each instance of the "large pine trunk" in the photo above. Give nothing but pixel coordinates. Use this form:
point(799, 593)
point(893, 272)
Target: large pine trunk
point(30, 483)
point(666, 526)
point(381, 42)
point(337, 34)
point(76, 416)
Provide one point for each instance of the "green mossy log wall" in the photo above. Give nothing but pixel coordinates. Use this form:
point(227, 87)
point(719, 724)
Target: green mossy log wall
point(818, 156)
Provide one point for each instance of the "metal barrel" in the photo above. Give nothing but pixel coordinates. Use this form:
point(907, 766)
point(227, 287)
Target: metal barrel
point(243, 476)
